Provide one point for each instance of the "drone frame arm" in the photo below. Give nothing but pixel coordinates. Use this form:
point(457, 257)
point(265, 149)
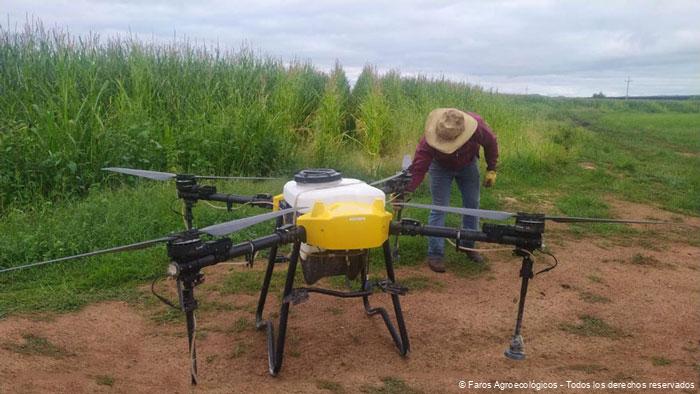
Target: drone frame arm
point(186, 269)
point(500, 234)
point(189, 190)
point(525, 236)
point(284, 235)
point(258, 200)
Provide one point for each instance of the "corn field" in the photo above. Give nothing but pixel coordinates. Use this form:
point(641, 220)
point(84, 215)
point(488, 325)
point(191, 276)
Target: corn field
point(72, 105)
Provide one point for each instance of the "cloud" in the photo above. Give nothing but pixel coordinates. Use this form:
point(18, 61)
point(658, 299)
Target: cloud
point(550, 47)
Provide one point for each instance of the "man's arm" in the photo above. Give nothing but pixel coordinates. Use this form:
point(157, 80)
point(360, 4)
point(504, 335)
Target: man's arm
point(421, 162)
point(490, 143)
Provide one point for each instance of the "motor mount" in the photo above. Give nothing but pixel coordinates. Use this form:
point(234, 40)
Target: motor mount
point(190, 247)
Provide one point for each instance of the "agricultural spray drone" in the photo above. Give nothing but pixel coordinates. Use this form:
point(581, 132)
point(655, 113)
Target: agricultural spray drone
point(331, 222)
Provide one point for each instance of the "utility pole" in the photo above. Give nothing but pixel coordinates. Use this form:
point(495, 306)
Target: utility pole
point(627, 92)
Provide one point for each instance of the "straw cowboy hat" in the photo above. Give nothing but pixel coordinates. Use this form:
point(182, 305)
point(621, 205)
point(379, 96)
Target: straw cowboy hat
point(446, 129)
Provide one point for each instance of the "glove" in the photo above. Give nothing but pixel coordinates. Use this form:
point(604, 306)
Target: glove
point(490, 178)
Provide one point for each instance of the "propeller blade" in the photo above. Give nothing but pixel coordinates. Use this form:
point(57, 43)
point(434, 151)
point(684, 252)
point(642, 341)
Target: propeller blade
point(482, 213)
point(406, 162)
point(499, 215)
point(155, 175)
point(232, 226)
point(250, 178)
point(567, 219)
point(134, 246)
point(386, 179)
point(164, 176)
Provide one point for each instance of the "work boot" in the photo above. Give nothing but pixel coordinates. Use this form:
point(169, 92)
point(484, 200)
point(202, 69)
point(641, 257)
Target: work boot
point(475, 257)
point(436, 264)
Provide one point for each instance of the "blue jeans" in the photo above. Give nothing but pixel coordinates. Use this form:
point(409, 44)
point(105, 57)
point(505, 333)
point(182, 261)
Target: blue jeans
point(440, 186)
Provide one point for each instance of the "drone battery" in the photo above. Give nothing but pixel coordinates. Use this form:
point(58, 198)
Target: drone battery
point(333, 263)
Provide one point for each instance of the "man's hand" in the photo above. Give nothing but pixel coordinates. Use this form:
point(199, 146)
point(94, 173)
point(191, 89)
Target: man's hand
point(490, 178)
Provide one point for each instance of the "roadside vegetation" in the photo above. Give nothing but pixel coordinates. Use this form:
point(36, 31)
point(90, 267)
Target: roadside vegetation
point(72, 105)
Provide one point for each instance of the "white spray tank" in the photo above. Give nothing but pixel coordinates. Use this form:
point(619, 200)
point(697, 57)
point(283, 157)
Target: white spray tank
point(327, 186)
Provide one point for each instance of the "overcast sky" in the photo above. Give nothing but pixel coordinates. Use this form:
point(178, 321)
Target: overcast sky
point(571, 48)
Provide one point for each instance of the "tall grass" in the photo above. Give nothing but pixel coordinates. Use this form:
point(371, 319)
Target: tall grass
point(330, 120)
point(373, 117)
point(72, 105)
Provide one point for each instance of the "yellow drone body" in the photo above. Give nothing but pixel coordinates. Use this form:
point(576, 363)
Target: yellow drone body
point(346, 225)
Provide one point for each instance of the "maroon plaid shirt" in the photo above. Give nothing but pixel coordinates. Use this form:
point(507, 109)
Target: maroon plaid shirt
point(464, 155)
